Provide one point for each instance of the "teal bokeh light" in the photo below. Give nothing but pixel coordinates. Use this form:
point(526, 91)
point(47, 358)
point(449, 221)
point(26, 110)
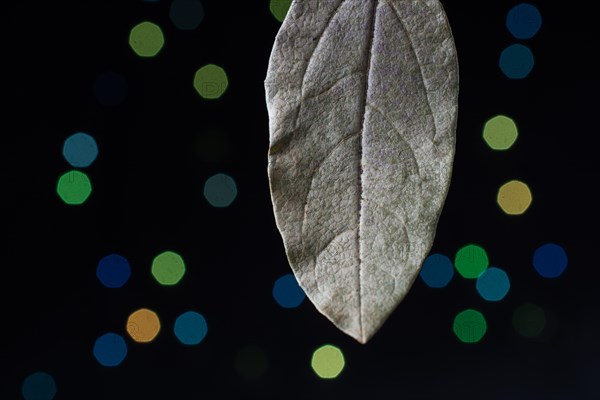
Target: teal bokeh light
point(220, 190)
point(39, 386)
point(516, 61)
point(190, 328)
point(493, 284)
point(80, 150)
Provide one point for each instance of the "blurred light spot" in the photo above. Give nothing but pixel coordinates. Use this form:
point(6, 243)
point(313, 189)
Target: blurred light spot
point(110, 89)
point(186, 14)
point(550, 260)
point(251, 363)
point(80, 150)
point(500, 132)
point(327, 361)
point(113, 271)
point(287, 292)
point(514, 197)
point(143, 325)
point(211, 81)
point(74, 187)
point(220, 190)
point(493, 284)
point(529, 320)
point(471, 260)
point(516, 61)
point(279, 8)
point(212, 146)
point(437, 271)
point(110, 349)
point(469, 326)
point(190, 328)
point(146, 39)
point(523, 21)
point(168, 268)
point(39, 386)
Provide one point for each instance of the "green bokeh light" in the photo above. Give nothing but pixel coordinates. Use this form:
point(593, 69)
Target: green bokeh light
point(529, 320)
point(470, 261)
point(500, 132)
point(211, 81)
point(146, 39)
point(251, 363)
point(469, 326)
point(279, 8)
point(74, 187)
point(328, 361)
point(168, 268)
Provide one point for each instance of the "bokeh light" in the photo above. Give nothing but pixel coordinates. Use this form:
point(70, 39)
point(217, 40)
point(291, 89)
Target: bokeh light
point(143, 325)
point(550, 260)
point(469, 326)
point(211, 81)
point(471, 260)
point(251, 363)
point(146, 39)
point(186, 14)
point(168, 268)
point(500, 132)
point(220, 190)
point(529, 320)
point(113, 271)
point(74, 187)
point(110, 89)
point(437, 271)
point(516, 61)
point(327, 361)
point(213, 146)
point(514, 197)
point(279, 8)
point(493, 284)
point(80, 150)
point(523, 21)
point(110, 349)
point(190, 328)
point(39, 386)
point(287, 293)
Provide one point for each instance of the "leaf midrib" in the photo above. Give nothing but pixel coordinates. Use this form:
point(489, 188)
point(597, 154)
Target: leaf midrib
point(360, 161)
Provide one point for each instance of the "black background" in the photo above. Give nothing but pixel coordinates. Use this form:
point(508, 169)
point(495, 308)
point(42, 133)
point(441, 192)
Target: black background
point(147, 198)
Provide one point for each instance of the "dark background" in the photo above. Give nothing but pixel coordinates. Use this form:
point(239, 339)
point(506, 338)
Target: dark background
point(147, 198)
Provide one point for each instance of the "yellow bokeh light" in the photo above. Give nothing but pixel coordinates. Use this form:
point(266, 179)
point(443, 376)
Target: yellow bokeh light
point(328, 361)
point(143, 325)
point(514, 197)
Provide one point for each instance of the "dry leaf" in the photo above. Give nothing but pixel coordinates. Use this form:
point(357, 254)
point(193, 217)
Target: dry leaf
point(362, 100)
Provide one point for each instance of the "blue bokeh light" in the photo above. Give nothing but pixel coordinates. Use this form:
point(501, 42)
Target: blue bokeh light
point(186, 14)
point(110, 89)
point(523, 21)
point(110, 349)
point(437, 271)
point(113, 271)
point(550, 260)
point(287, 293)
